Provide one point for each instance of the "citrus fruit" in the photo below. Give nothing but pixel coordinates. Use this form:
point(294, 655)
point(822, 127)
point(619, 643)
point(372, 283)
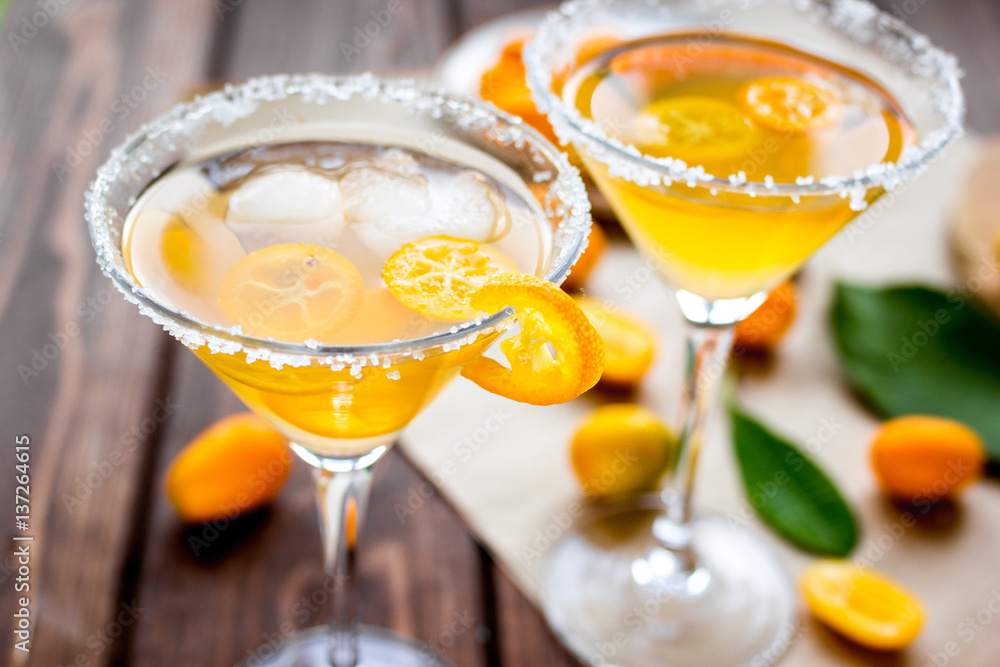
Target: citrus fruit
point(923, 456)
point(695, 129)
point(557, 354)
point(184, 254)
point(291, 292)
point(861, 604)
point(791, 104)
point(437, 275)
point(628, 343)
point(764, 327)
point(504, 85)
point(237, 464)
point(620, 449)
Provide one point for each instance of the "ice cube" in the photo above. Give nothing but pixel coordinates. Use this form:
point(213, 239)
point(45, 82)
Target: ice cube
point(476, 211)
point(286, 196)
point(399, 161)
point(290, 205)
point(372, 194)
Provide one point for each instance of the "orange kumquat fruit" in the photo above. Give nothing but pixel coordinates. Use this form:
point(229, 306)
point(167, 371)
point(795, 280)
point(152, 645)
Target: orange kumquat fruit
point(924, 456)
point(861, 604)
point(437, 275)
point(557, 354)
point(237, 464)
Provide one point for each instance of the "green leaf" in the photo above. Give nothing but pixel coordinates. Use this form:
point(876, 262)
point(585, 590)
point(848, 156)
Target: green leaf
point(911, 349)
point(790, 492)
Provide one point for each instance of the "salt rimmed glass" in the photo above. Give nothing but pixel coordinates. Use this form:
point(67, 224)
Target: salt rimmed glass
point(694, 590)
point(279, 109)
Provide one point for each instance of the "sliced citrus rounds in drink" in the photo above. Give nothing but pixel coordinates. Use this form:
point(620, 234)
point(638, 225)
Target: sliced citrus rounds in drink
point(628, 343)
point(291, 292)
point(557, 354)
point(861, 604)
point(437, 275)
point(695, 129)
point(184, 254)
point(791, 104)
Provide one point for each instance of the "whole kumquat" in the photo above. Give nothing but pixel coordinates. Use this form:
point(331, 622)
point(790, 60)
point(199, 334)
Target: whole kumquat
point(237, 464)
point(923, 456)
point(620, 449)
point(761, 331)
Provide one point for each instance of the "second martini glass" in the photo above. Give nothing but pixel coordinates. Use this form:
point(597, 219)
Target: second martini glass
point(697, 590)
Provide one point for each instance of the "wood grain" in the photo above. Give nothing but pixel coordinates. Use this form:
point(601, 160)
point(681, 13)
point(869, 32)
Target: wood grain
point(474, 12)
point(101, 380)
point(523, 636)
point(338, 37)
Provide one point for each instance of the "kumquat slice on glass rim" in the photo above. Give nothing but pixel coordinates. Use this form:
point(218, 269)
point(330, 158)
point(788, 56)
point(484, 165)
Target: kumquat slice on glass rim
point(437, 275)
point(557, 354)
point(291, 292)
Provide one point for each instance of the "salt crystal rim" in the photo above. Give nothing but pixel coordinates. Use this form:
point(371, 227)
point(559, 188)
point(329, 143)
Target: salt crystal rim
point(176, 126)
point(858, 20)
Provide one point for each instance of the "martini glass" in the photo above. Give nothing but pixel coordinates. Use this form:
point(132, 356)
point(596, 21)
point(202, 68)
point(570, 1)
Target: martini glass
point(385, 384)
point(691, 589)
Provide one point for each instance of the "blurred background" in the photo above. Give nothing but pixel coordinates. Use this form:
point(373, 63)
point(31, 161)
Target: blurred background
point(108, 399)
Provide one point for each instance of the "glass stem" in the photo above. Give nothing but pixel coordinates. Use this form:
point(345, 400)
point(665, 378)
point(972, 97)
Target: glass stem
point(337, 493)
point(707, 357)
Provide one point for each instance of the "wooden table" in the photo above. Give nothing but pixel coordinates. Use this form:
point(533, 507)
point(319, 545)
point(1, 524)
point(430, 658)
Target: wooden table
point(108, 399)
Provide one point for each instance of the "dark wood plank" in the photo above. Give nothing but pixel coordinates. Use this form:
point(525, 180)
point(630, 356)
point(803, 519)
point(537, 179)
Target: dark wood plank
point(420, 577)
point(339, 37)
point(524, 637)
point(99, 380)
point(474, 12)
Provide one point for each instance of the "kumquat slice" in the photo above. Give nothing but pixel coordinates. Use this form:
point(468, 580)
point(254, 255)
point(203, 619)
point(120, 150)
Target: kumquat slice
point(291, 292)
point(557, 354)
point(695, 129)
point(861, 604)
point(791, 104)
point(437, 275)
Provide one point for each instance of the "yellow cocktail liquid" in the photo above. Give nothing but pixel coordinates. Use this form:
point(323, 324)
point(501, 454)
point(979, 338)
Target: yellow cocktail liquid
point(757, 111)
point(301, 232)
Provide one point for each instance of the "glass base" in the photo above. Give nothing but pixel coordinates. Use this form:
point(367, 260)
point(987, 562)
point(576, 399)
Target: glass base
point(615, 599)
point(377, 647)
